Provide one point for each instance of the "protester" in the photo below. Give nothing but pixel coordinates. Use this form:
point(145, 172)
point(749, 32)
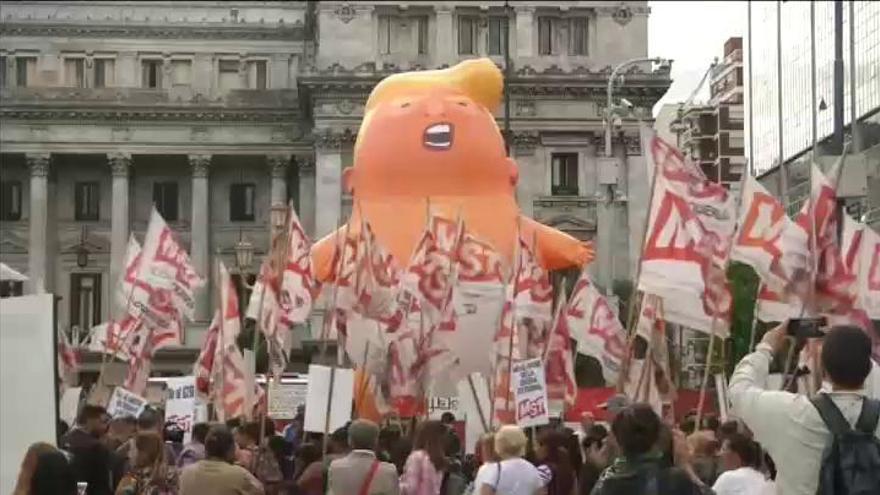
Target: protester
point(555, 467)
point(704, 449)
point(149, 473)
point(360, 472)
point(26, 475)
point(453, 443)
point(788, 425)
point(194, 451)
point(307, 454)
point(216, 475)
point(149, 421)
point(596, 458)
point(740, 458)
point(641, 464)
point(315, 476)
point(121, 431)
point(488, 458)
point(512, 475)
point(423, 472)
point(91, 458)
point(257, 459)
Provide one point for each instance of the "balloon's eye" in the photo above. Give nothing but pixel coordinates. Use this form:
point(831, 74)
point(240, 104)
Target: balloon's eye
point(462, 103)
point(404, 104)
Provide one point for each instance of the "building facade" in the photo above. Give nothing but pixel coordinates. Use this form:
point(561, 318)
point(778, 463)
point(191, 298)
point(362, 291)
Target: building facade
point(213, 111)
point(790, 97)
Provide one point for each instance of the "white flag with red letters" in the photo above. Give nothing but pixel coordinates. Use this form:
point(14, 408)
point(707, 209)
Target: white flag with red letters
point(595, 326)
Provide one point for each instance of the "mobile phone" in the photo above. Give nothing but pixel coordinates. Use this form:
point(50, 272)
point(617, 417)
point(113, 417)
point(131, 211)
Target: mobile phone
point(806, 328)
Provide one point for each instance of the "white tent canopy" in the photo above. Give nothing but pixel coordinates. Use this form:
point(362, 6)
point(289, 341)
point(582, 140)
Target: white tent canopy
point(7, 273)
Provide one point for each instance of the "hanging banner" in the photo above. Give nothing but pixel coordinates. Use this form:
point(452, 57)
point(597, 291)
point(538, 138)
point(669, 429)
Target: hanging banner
point(285, 398)
point(124, 403)
point(180, 404)
point(530, 388)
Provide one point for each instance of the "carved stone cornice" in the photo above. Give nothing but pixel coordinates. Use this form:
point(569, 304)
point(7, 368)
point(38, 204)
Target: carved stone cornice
point(162, 115)
point(278, 165)
point(334, 139)
point(305, 165)
point(120, 164)
point(38, 163)
point(524, 143)
point(294, 32)
point(346, 13)
point(200, 164)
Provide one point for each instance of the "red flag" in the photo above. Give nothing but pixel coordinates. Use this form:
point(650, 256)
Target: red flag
point(204, 366)
point(298, 286)
point(533, 292)
point(690, 228)
point(558, 359)
point(378, 279)
point(429, 276)
point(505, 350)
point(594, 324)
point(68, 357)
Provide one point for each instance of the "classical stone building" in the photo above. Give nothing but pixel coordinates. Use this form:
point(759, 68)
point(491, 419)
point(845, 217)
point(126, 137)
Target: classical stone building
point(212, 111)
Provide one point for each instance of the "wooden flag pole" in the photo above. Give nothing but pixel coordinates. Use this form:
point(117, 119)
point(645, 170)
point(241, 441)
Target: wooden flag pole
point(483, 423)
point(513, 325)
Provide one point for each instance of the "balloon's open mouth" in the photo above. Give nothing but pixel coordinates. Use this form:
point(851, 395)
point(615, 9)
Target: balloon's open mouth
point(438, 136)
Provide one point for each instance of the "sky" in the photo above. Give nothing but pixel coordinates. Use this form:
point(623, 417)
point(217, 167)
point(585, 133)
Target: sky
point(692, 34)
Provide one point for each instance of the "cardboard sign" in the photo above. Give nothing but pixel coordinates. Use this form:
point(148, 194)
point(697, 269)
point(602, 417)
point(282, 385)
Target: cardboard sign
point(318, 393)
point(530, 389)
point(439, 405)
point(180, 404)
point(124, 403)
point(285, 398)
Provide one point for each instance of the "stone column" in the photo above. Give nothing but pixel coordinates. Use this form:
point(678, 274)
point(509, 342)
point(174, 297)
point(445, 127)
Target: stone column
point(525, 21)
point(531, 174)
point(120, 165)
point(200, 232)
point(328, 180)
point(38, 163)
point(445, 41)
point(306, 170)
point(278, 169)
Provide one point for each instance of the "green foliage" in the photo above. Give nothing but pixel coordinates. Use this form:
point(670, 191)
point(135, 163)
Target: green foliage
point(744, 286)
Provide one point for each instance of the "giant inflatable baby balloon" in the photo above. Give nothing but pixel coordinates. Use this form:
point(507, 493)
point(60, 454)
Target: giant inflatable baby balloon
point(429, 140)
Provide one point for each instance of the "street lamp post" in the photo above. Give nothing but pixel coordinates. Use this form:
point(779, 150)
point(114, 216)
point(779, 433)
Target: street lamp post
point(607, 207)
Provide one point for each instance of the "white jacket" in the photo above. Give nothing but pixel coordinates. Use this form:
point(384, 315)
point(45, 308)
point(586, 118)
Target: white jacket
point(787, 425)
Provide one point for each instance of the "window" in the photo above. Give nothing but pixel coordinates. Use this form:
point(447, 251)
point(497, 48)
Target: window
point(545, 35)
point(497, 35)
point(75, 72)
point(165, 199)
point(229, 78)
point(25, 71)
point(2, 72)
point(85, 300)
point(256, 74)
point(105, 72)
point(577, 34)
point(385, 37)
point(11, 288)
point(151, 73)
point(565, 174)
point(10, 201)
point(181, 73)
point(241, 202)
point(87, 199)
point(467, 35)
point(422, 27)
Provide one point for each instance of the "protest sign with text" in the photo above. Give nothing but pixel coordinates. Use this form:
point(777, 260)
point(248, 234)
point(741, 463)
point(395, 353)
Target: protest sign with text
point(180, 404)
point(530, 388)
point(124, 403)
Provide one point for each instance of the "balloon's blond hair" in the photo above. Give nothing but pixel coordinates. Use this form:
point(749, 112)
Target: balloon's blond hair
point(479, 79)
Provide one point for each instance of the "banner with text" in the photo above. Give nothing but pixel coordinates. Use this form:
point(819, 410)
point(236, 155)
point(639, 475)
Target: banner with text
point(530, 387)
point(180, 404)
point(285, 398)
point(124, 403)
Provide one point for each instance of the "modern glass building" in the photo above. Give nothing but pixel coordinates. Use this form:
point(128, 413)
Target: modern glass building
point(784, 29)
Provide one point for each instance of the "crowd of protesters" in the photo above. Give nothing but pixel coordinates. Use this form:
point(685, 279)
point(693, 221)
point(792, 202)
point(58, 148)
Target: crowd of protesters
point(634, 452)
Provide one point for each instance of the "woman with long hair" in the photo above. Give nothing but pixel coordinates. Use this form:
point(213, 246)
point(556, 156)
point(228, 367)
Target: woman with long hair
point(149, 474)
point(45, 470)
point(423, 472)
point(554, 463)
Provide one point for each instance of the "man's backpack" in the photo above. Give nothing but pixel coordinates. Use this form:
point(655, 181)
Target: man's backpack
point(851, 464)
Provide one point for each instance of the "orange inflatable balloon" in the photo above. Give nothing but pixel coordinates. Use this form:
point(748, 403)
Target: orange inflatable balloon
point(429, 140)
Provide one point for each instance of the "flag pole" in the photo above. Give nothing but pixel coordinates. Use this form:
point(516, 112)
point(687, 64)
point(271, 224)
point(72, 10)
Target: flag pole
point(325, 334)
point(513, 326)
